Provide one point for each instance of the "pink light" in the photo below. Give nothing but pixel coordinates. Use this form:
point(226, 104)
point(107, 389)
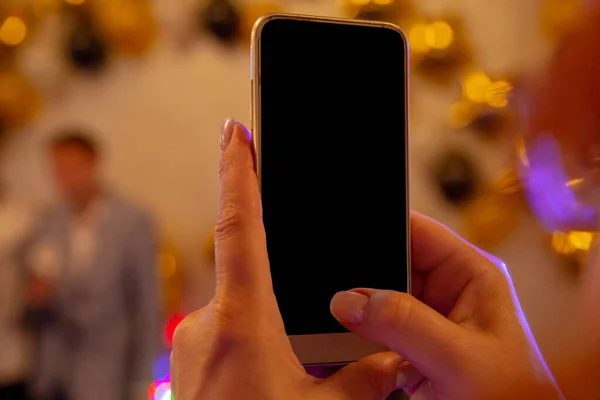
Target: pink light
point(170, 327)
point(163, 392)
point(160, 389)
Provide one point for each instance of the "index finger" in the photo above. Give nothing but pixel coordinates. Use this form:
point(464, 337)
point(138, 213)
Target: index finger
point(241, 257)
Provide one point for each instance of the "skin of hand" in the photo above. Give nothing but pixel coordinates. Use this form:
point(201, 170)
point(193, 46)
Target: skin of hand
point(462, 335)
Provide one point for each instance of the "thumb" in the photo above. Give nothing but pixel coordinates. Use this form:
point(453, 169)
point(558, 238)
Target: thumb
point(434, 345)
point(372, 378)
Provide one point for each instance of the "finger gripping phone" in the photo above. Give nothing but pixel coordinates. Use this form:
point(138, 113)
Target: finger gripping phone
point(330, 124)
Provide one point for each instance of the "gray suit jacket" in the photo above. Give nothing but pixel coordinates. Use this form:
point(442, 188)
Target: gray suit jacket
point(104, 330)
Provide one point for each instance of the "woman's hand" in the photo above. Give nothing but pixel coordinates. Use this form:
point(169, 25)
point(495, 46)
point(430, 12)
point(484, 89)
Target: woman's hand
point(465, 338)
point(462, 331)
point(236, 347)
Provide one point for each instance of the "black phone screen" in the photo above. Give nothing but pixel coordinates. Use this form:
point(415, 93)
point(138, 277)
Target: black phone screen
point(333, 164)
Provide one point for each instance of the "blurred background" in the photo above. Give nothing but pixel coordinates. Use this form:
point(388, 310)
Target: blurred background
point(131, 95)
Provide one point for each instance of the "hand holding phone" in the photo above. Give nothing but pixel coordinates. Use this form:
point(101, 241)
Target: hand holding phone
point(462, 336)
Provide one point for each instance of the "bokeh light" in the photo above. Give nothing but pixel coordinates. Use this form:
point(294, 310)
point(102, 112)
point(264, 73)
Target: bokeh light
point(439, 35)
point(168, 266)
point(383, 2)
point(417, 38)
point(359, 3)
point(475, 87)
point(479, 88)
point(160, 390)
point(462, 113)
point(172, 323)
point(497, 94)
point(160, 368)
point(13, 31)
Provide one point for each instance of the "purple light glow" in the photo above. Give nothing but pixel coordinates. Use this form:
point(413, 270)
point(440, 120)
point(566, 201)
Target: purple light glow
point(546, 186)
point(160, 369)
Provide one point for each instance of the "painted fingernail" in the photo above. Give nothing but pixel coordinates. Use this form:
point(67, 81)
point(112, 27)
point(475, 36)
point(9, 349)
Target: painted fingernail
point(349, 307)
point(226, 132)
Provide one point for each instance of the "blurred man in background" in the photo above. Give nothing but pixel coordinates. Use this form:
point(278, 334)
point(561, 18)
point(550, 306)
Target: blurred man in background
point(15, 223)
point(93, 286)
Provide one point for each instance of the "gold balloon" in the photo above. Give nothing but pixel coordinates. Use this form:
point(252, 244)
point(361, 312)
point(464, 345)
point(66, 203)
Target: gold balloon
point(573, 247)
point(13, 31)
point(479, 88)
point(439, 48)
point(128, 25)
point(395, 11)
point(463, 113)
point(494, 216)
point(18, 99)
point(253, 11)
point(17, 24)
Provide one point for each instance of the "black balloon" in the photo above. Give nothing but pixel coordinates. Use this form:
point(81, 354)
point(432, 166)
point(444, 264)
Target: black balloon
point(456, 177)
point(222, 19)
point(489, 124)
point(86, 50)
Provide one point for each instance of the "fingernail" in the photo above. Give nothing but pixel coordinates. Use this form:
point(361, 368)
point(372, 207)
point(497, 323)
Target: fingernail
point(226, 132)
point(401, 380)
point(349, 307)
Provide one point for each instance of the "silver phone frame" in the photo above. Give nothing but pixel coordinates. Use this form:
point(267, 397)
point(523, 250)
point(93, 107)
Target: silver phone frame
point(327, 348)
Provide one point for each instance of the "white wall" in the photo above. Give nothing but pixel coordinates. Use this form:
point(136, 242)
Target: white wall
point(160, 118)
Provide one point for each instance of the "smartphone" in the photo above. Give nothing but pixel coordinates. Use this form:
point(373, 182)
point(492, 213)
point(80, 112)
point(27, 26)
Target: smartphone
point(330, 125)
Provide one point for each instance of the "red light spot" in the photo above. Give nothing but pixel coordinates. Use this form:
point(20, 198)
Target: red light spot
point(156, 385)
point(152, 391)
point(170, 327)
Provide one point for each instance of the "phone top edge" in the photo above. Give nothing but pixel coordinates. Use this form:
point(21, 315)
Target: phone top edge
point(256, 108)
point(318, 18)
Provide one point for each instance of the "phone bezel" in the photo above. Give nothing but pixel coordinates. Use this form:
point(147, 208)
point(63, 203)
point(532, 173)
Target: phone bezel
point(326, 348)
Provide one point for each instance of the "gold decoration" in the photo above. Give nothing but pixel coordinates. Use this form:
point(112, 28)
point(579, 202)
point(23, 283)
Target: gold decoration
point(395, 11)
point(253, 11)
point(491, 218)
point(479, 88)
point(439, 48)
point(128, 25)
point(13, 31)
point(573, 247)
point(560, 17)
point(484, 106)
point(171, 278)
point(463, 112)
point(18, 99)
